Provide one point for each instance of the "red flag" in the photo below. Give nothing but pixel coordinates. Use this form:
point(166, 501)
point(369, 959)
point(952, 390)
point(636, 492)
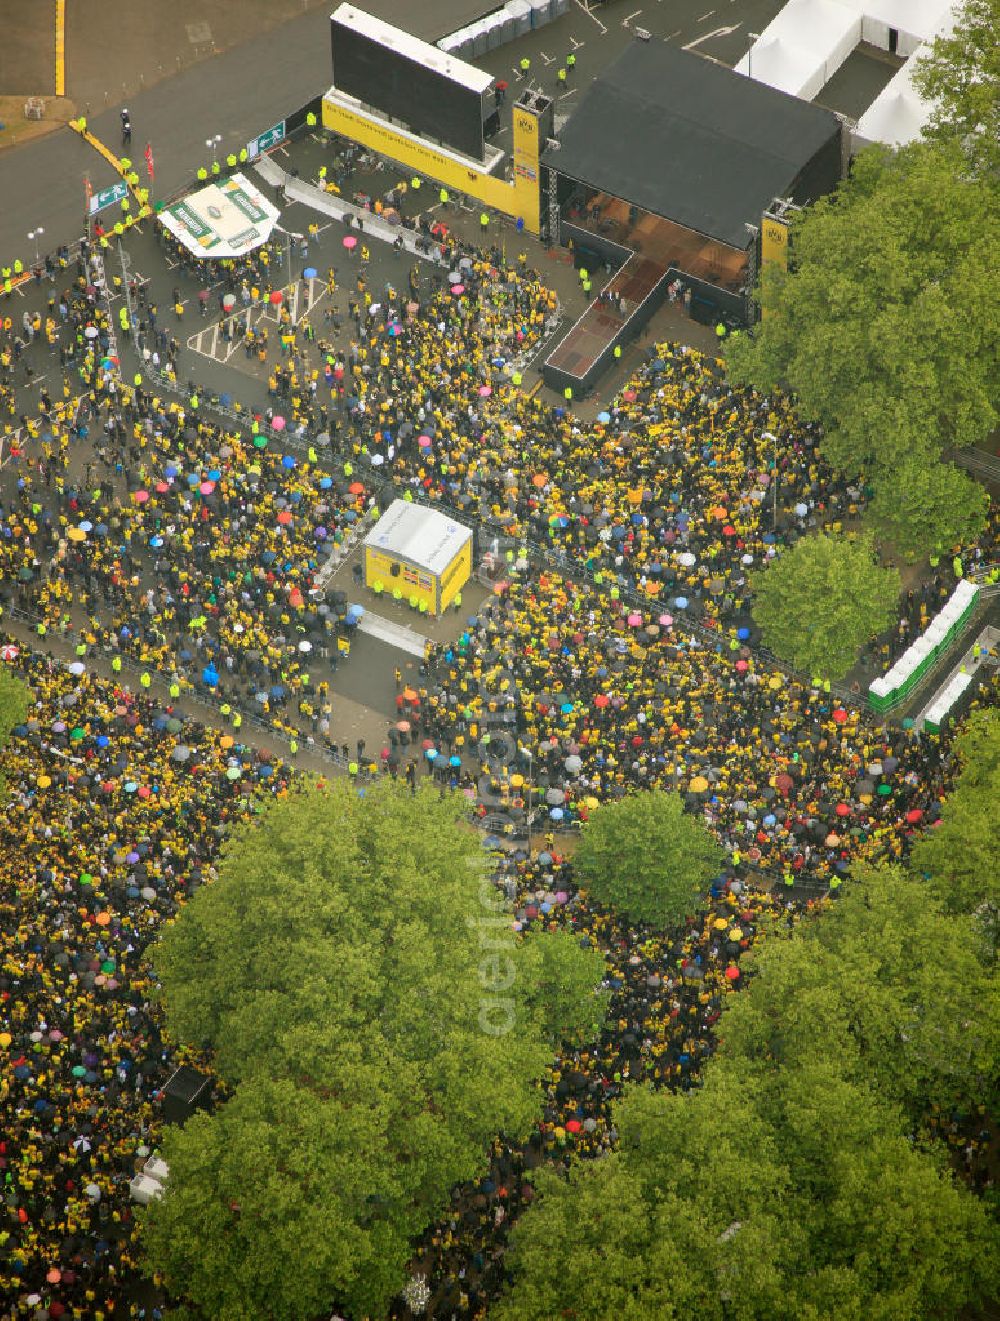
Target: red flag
point(149, 161)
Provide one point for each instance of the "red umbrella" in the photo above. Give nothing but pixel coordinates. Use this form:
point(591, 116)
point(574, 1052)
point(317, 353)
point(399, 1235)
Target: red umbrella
point(840, 715)
point(601, 701)
point(914, 815)
point(356, 488)
point(277, 297)
point(733, 973)
point(842, 809)
point(573, 1126)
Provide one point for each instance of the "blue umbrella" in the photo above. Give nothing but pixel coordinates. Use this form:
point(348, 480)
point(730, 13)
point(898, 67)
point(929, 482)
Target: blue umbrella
point(455, 761)
point(214, 474)
point(681, 602)
point(225, 400)
point(557, 814)
point(265, 771)
point(170, 470)
point(288, 461)
point(325, 483)
point(309, 273)
point(743, 634)
point(156, 542)
point(566, 708)
point(210, 676)
point(604, 417)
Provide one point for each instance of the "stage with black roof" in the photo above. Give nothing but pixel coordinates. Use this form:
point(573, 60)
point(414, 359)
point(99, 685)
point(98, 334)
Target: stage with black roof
point(664, 174)
point(688, 139)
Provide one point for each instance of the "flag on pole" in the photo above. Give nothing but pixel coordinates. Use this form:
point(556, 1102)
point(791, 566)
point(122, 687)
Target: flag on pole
point(149, 161)
point(88, 191)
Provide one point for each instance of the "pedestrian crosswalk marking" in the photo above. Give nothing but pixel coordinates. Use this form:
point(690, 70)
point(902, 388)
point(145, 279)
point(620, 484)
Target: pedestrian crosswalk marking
point(300, 298)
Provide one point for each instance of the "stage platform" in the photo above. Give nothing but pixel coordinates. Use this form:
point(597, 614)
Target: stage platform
point(622, 308)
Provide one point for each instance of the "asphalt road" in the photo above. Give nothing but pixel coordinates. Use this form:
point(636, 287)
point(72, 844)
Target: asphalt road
point(255, 83)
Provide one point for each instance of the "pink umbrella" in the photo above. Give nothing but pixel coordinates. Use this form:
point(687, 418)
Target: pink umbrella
point(350, 242)
point(206, 488)
point(457, 289)
point(278, 422)
point(424, 442)
point(634, 619)
point(141, 497)
point(485, 391)
point(666, 620)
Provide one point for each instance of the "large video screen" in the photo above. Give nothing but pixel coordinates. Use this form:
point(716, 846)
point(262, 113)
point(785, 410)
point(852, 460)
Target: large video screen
point(427, 102)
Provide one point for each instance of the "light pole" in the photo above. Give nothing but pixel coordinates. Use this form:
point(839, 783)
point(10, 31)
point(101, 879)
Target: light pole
point(33, 236)
point(213, 145)
point(769, 435)
point(527, 797)
point(751, 37)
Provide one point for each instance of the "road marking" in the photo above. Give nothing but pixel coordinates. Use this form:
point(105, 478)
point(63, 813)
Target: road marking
point(565, 94)
point(590, 14)
point(210, 343)
point(547, 58)
point(710, 36)
point(708, 15)
point(627, 21)
point(577, 45)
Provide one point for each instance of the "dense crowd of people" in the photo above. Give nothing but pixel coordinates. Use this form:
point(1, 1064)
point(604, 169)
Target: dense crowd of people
point(135, 526)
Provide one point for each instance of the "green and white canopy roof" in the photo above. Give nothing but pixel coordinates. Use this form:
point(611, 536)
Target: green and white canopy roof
point(223, 219)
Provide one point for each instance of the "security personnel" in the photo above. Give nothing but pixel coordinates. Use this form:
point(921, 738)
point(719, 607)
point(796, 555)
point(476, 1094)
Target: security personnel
point(561, 77)
point(525, 66)
point(570, 63)
point(237, 720)
point(720, 331)
point(231, 161)
point(145, 679)
point(202, 174)
point(484, 221)
point(618, 350)
point(443, 196)
point(116, 664)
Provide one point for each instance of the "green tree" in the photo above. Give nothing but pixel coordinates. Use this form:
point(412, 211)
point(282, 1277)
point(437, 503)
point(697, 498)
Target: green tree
point(355, 974)
point(646, 857)
point(960, 856)
point(961, 74)
point(820, 602)
point(886, 326)
point(788, 1185)
point(926, 506)
point(14, 699)
point(887, 984)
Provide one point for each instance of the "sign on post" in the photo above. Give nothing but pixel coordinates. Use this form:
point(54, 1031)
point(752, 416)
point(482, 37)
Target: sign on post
point(116, 193)
point(257, 146)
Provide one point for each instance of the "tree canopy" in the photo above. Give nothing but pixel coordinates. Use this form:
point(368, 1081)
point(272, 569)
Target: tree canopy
point(960, 856)
point(886, 326)
point(789, 1185)
point(14, 700)
point(355, 974)
point(961, 74)
point(820, 602)
point(648, 858)
point(926, 507)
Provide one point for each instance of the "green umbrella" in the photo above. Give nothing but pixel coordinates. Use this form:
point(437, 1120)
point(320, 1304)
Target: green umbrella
point(77, 734)
point(260, 442)
point(885, 790)
point(108, 965)
point(78, 1071)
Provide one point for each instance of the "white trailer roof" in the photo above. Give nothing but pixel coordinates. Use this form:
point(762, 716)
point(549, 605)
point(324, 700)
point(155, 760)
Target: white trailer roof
point(425, 537)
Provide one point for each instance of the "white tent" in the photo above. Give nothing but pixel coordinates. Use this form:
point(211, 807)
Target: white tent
point(803, 47)
point(808, 41)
